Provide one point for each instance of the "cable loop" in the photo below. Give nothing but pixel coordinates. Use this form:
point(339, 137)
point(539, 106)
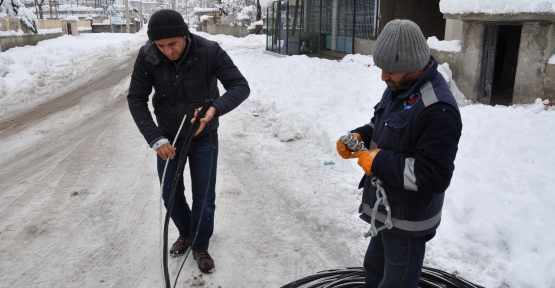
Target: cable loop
point(381, 199)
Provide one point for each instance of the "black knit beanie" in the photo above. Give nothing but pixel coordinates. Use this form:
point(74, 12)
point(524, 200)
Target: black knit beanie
point(166, 24)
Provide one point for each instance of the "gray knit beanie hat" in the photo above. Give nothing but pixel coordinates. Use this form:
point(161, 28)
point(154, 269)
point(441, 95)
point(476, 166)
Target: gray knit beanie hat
point(401, 48)
point(166, 24)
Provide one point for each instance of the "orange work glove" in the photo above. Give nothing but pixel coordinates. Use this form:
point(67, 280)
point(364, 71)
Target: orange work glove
point(365, 159)
point(342, 149)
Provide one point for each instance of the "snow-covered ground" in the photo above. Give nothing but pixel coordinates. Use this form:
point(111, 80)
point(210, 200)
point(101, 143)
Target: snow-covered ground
point(497, 229)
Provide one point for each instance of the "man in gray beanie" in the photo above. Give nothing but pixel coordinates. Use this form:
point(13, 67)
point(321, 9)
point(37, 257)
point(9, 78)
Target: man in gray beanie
point(184, 70)
point(410, 148)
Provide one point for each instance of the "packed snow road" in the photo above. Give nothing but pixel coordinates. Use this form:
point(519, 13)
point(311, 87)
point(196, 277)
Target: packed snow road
point(80, 202)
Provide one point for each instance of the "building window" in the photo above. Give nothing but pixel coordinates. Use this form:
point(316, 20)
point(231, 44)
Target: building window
point(365, 25)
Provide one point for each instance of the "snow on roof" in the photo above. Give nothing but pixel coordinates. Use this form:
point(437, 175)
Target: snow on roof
point(198, 9)
point(496, 6)
point(205, 17)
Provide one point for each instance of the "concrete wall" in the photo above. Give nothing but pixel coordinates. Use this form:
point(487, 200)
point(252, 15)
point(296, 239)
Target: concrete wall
point(453, 29)
point(534, 77)
point(549, 81)
point(13, 23)
point(237, 31)
point(28, 38)
point(49, 24)
point(7, 42)
point(467, 64)
point(537, 45)
point(364, 46)
point(107, 28)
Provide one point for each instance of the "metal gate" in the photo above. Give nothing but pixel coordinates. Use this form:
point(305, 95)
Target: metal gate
point(365, 18)
point(345, 26)
point(284, 27)
point(488, 61)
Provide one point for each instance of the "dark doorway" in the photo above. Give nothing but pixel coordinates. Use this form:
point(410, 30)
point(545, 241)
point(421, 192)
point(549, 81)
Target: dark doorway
point(508, 42)
point(501, 46)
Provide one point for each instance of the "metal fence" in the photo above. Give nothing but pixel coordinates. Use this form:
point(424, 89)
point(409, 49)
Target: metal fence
point(284, 27)
point(307, 26)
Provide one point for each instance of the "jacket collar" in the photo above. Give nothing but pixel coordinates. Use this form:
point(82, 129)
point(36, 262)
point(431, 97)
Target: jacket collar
point(413, 87)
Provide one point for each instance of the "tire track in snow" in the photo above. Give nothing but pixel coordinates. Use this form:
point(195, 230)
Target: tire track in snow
point(83, 224)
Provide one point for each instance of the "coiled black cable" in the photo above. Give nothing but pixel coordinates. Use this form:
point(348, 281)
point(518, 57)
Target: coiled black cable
point(353, 277)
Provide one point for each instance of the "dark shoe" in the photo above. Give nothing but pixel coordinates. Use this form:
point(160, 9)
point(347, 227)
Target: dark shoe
point(180, 246)
point(204, 261)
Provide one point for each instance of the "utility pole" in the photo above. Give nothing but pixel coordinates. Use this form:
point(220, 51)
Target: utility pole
point(141, 13)
point(126, 16)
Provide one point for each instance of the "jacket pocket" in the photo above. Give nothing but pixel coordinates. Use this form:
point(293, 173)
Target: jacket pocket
point(398, 207)
point(378, 110)
point(393, 137)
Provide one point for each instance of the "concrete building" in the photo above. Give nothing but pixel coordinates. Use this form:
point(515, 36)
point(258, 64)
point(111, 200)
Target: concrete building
point(503, 57)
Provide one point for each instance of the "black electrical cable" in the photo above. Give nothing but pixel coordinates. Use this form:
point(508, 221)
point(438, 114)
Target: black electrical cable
point(353, 277)
point(180, 167)
point(202, 209)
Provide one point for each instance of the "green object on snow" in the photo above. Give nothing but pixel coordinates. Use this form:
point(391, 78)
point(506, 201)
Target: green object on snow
point(329, 163)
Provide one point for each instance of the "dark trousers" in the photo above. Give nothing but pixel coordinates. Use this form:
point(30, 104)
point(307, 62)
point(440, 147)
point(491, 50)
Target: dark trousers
point(393, 261)
point(185, 218)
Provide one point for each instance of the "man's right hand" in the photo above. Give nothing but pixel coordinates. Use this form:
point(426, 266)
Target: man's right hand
point(342, 149)
point(165, 151)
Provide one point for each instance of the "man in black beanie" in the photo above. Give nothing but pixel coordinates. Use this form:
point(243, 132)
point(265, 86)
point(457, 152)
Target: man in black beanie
point(184, 69)
point(410, 148)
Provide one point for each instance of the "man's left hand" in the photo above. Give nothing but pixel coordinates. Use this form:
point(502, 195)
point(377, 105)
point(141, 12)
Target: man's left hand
point(207, 117)
point(365, 159)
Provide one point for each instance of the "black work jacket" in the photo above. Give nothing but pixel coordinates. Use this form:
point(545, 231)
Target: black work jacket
point(418, 132)
point(179, 91)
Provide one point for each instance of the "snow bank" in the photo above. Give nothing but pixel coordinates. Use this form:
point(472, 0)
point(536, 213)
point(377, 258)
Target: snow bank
point(496, 6)
point(449, 46)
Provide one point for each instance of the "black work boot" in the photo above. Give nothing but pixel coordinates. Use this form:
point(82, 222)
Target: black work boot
point(180, 246)
point(204, 261)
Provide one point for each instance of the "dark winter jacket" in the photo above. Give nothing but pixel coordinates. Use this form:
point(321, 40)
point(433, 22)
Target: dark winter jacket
point(418, 132)
point(180, 89)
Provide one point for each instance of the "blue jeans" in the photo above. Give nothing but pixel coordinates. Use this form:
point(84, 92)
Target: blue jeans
point(393, 261)
point(186, 219)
